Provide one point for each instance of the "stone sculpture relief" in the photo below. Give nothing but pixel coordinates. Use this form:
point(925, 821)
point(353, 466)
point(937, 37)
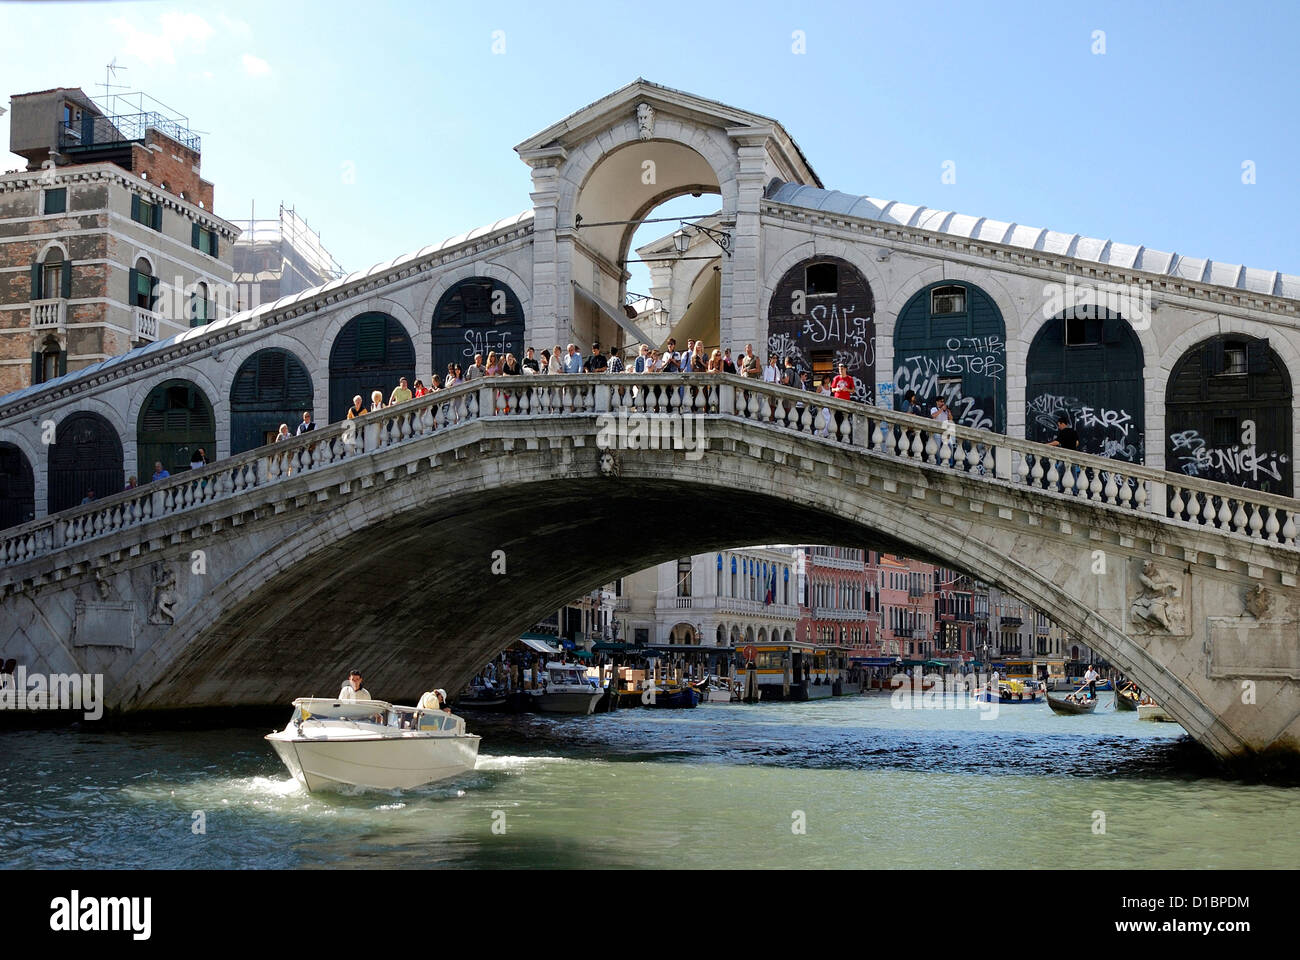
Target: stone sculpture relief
point(163, 609)
point(645, 121)
point(1159, 602)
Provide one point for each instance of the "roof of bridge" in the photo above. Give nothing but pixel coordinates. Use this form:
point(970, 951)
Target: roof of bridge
point(245, 316)
point(1124, 256)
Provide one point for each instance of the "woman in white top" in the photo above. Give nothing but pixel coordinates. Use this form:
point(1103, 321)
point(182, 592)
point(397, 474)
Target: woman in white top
point(282, 435)
point(555, 365)
point(376, 401)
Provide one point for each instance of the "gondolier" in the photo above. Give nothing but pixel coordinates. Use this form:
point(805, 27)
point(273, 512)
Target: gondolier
point(1091, 678)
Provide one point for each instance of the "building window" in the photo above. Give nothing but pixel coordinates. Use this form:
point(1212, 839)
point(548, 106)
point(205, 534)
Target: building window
point(50, 361)
point(1234, 359)
point(52, 269)
point(684, 577)
point(821, 278)
point(200, 306)
point(56, 201)
point(145, 212)
point(203, 240)
point(1082, 331)
point(946, 301)
point(143, 284)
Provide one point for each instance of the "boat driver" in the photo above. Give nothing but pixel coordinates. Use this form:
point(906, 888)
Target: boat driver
point(435, 700)
point(353, 690)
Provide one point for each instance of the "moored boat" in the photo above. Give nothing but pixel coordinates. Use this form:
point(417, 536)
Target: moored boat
point(1068, 707)
point(566, 689)
point(331, 744)
point(1126, 699)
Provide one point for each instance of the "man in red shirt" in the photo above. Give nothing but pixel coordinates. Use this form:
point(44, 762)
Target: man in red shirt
point(842, 386)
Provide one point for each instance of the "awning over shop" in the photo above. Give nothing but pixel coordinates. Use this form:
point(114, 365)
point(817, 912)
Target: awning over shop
point(580, 654)
point(873, 661)
point(538, 643)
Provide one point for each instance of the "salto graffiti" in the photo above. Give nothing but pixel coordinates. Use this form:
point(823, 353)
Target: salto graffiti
point(485, 341)
point(852, 339)
point(1236, 464)
point(1107, 433)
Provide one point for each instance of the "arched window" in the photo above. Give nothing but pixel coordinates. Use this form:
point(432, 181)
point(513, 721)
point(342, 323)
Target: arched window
point(372, 352)
point(144, 285)
point(17, 487)
point(476, 315)
point(175, 422)
point(86, 455)
point(52, 361)
point(822, 313)
point(55, 275)
point(200, 306)
point(272, 387)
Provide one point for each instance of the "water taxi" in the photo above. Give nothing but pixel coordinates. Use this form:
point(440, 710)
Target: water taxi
point(331, 744)
point(1014, 691)
point(565, 688)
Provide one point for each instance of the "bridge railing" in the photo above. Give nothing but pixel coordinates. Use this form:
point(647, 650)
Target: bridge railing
point(920, 440)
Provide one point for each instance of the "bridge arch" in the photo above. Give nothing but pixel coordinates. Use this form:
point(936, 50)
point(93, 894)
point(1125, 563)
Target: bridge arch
point(950, 338)
point(86, 455)
point(271, 386)
point(175, 420)
point(821, 314)
point(1087, 365)
point(17, 486)
point(476, 315)
point(371, 352)
point(1208, 327)
point(1215, 389)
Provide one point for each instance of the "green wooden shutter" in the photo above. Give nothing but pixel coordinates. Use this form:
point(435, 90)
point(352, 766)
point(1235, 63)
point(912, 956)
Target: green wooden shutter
point(1214, 359)
point(65, 280)
point(157, 216)
point(153, 292)
point(135, 207)
point(194, 236)
point(213, 243)
point(36, 281)
point(1257, 356)
point(63, 362)
point(36, 368)
point(134, 285)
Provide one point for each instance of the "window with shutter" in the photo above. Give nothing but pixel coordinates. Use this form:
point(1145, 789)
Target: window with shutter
point(56, 201)
point(372, 339)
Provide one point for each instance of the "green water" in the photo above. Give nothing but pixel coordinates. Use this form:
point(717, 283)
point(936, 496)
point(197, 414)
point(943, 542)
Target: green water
point(850, 782)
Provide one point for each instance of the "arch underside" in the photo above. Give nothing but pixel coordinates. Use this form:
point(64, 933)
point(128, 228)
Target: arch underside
point(405, 588)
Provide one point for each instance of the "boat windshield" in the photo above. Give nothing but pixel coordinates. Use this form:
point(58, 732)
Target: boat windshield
point(362, 711)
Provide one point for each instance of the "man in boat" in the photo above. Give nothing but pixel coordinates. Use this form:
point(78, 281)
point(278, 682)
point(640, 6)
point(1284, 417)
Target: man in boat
point(1091, 678)
point(353, 690)
point(434, 700)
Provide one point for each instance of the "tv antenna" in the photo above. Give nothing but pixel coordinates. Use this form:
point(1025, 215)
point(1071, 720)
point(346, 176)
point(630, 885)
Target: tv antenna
point(110, 74)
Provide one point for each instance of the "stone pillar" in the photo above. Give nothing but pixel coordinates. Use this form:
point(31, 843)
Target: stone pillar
point(741, 272)
point(548, 323)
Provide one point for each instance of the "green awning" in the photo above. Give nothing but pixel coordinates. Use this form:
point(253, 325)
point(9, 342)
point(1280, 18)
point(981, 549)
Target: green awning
point(580, 654)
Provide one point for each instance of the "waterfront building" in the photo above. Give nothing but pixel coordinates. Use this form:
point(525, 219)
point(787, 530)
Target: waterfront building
point(954, 614)
point(835, 598)
point(585, 620)
point(109, 242)
point(723, 599)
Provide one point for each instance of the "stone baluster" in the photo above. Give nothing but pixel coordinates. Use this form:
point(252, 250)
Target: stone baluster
point(1289, 528)
point(1094, 486)
point(1225, 515)
point(1111, 489)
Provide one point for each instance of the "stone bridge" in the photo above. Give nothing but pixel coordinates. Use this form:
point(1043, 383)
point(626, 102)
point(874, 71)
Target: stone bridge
point(417, 542)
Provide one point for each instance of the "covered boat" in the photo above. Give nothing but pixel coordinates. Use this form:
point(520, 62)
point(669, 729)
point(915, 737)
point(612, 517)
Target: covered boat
point(331, 744)
point(566, 689)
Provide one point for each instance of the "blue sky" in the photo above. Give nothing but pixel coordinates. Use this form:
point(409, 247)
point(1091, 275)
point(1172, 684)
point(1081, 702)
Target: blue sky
point(390, 125)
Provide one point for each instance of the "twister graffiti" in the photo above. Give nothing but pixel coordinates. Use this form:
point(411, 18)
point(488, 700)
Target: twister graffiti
point(966, 373)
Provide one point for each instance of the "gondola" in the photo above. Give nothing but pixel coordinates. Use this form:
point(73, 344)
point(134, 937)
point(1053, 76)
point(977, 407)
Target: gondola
point(1126, 699)
point(1070, 706)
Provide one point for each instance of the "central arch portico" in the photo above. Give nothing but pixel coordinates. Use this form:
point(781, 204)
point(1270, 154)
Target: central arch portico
point(380, 543)
point(616, 159)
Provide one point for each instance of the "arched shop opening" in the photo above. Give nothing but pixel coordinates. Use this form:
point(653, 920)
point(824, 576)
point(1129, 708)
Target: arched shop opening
point(1086, 365)
point(175, 422)
point(86, 455)
point(950, 340)
point(17, 487)
point(477, 315)
point(372, 352)
point(272, 387)
point(822, 314)
point(1228, 414)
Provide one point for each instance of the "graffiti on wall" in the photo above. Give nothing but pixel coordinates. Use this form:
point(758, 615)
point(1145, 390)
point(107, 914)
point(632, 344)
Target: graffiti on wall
point(852, 340)
point(957, 373)
point(1240, 465)
point(1105, 432)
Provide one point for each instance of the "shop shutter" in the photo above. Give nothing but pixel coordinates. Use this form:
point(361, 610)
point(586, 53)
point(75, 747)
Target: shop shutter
point(1214, 357)
point(1257, 359)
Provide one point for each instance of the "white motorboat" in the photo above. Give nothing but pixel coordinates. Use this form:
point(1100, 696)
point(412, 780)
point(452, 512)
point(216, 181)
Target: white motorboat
point(566, 689)
point(714, 689)
point(329, 744)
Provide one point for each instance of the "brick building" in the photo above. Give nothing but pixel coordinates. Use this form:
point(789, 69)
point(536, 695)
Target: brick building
point(835, 607)
point(107, 238)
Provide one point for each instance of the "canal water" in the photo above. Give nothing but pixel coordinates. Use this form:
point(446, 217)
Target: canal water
point(850, 782)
